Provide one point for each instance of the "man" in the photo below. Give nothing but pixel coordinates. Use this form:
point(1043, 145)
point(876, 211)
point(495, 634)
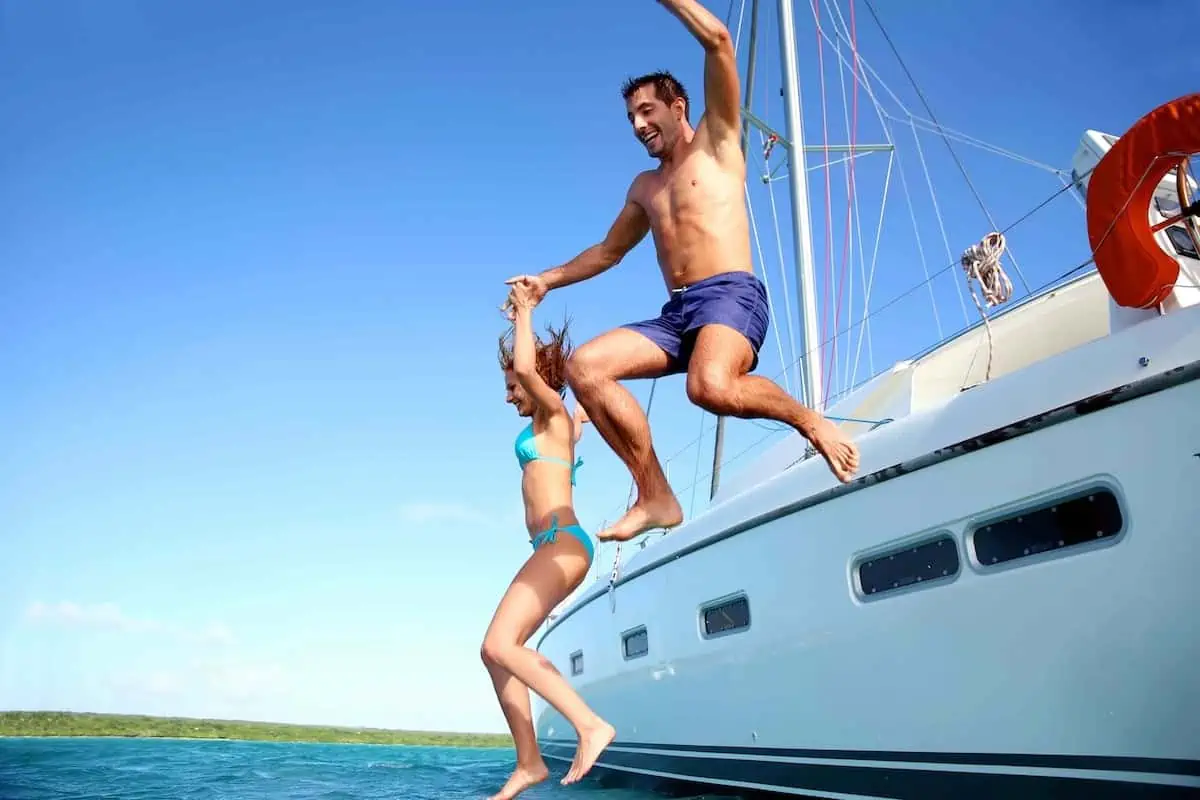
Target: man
point(716, 319)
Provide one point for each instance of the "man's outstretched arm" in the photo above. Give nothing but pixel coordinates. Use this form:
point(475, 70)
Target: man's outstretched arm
point(629, 228)
point(722, 95)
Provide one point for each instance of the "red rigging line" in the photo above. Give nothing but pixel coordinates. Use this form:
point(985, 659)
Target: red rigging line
point(837, 308)
point(825, 338)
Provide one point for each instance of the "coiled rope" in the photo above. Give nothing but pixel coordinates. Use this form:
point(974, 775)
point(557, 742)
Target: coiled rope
point(981, 263)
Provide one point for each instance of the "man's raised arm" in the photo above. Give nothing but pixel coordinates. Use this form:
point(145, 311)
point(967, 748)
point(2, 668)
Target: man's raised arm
point(722, 95)
point(629, 228)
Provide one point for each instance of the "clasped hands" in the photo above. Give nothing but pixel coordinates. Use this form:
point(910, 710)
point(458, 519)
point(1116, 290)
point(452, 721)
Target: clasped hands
point(525, 292)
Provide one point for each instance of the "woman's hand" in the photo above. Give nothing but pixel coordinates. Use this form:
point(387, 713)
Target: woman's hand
point(536, 285)
point(522, 297)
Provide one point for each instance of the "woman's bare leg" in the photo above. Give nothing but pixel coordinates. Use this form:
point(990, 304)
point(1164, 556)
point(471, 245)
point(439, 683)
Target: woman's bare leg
point(547, 577)
point(514, 702)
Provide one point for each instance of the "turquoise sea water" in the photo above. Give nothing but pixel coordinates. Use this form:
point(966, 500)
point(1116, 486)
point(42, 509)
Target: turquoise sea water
point(165, 769)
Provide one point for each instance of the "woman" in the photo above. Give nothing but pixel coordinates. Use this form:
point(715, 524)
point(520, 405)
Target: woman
point(534, 376)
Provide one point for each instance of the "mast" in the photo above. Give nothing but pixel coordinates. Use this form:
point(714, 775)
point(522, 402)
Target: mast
point(810, 361)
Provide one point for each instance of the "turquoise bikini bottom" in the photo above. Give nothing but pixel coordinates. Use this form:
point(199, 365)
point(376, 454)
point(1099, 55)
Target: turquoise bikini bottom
point(551, 534)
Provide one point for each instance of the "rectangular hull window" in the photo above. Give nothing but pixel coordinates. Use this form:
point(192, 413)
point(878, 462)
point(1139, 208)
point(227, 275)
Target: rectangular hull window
point(635, 643)
point(927, 561)
point(577, 662)
point(1065, 523)
point(726, 616)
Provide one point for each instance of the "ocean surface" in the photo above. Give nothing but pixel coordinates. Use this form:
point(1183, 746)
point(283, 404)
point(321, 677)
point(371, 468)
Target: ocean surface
point(172, 769)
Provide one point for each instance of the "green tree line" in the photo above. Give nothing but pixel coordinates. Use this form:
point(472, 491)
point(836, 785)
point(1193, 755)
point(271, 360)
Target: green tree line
point(63, 723)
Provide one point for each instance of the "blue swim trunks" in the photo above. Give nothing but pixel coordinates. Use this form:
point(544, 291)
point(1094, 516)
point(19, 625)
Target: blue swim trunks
point(736, 299)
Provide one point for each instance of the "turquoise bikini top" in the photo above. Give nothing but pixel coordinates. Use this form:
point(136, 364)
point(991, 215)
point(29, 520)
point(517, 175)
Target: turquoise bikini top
point(527, 451)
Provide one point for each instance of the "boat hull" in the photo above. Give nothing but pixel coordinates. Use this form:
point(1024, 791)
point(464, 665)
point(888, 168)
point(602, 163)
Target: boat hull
point(986, 671)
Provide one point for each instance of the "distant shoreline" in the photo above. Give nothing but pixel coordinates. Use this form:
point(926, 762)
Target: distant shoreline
point(60, 724)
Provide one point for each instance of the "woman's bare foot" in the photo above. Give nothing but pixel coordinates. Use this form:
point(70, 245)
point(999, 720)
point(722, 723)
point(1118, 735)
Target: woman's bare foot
point(659, 512)
point(591, 744)
point(522, 778)
point(838, 449)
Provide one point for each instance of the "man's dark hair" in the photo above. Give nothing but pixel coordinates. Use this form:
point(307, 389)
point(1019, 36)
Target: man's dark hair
point(666, 88)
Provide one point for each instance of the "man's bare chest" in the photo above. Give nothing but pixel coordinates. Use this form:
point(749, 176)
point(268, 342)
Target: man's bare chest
point(685, 190)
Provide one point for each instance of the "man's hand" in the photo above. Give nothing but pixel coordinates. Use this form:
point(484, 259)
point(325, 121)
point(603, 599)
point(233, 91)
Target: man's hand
point(522, 296)
point(533, 285)
point(526, 292)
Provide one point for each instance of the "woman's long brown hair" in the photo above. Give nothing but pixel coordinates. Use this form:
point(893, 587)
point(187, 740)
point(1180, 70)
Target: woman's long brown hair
point(551, 356)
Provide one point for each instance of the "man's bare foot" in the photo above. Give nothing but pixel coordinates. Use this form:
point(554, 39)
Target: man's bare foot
point(522, 778)
point(643, 516)
point(591, 744)
point(838, 449)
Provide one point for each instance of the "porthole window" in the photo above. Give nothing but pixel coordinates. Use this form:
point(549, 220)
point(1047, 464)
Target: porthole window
point(635, 643)
point(1065, 523)
point(893, 570)
point(721, 617)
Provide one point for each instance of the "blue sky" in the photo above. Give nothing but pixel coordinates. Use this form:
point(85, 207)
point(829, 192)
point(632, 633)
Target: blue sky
point(257, 461)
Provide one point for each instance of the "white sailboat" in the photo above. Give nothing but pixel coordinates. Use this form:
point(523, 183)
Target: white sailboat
point(1002, 602)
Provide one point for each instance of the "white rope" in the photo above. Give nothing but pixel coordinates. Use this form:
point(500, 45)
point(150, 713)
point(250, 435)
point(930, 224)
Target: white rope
point(912, 214)
point(842, 31)
point(937, 214)
point(737, 39)
point(941, 130)
point(981, 263)
point(799, 161)
point(866, 70)
point(852, 198)
point(869, 284)
point(783, 356)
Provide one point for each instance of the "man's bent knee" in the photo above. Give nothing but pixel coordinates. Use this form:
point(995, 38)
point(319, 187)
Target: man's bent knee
point(712, 389)
point(621, 354)
point(581, 371)
point(589, 366)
